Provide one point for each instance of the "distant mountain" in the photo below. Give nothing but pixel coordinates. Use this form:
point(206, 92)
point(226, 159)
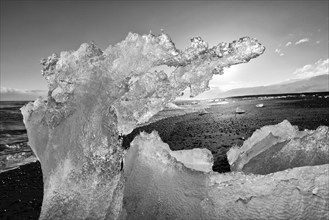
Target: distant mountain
point(314, 84)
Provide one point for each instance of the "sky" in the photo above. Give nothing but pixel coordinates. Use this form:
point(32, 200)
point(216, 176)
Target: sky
point(295, 34)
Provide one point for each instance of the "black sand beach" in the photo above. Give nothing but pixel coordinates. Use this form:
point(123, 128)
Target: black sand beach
point(21, 192)
point(21, 189)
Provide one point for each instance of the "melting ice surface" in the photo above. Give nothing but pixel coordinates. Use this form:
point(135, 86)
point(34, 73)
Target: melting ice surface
point(160, 185)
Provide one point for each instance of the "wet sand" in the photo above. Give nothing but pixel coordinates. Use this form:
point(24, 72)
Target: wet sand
point(21, 189)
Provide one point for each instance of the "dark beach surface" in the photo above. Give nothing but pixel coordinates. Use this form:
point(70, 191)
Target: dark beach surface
point(217, 129)
point(21, 192)
point(221, 127)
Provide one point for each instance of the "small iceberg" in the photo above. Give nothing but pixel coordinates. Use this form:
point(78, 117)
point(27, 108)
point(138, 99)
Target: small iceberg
point(203, 112)
point(261, 105)
point(239, 111)
point(222, 103)
point(173, 106)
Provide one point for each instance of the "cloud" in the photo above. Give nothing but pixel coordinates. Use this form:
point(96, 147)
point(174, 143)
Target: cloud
point(278, 51)
point(317, 42)
point(289, 43)
point(11, 90)
point(310, 70)
point(304, 40)
point(13, 94)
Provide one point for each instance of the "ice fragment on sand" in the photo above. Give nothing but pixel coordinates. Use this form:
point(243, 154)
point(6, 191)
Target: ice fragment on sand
point(158, 186)
point(278, 147)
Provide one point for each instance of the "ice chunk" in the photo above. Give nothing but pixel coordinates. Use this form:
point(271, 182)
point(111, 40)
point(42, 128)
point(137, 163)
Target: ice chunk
point(196, 159)
point(95, 97)
point(158, 186)
point(279, 147)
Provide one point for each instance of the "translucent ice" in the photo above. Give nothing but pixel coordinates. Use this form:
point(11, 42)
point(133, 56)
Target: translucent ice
point(279, 147)
point(158, 186)
point(94, 97)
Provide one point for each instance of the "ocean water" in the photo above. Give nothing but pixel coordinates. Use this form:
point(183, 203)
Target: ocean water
point(14, 148)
